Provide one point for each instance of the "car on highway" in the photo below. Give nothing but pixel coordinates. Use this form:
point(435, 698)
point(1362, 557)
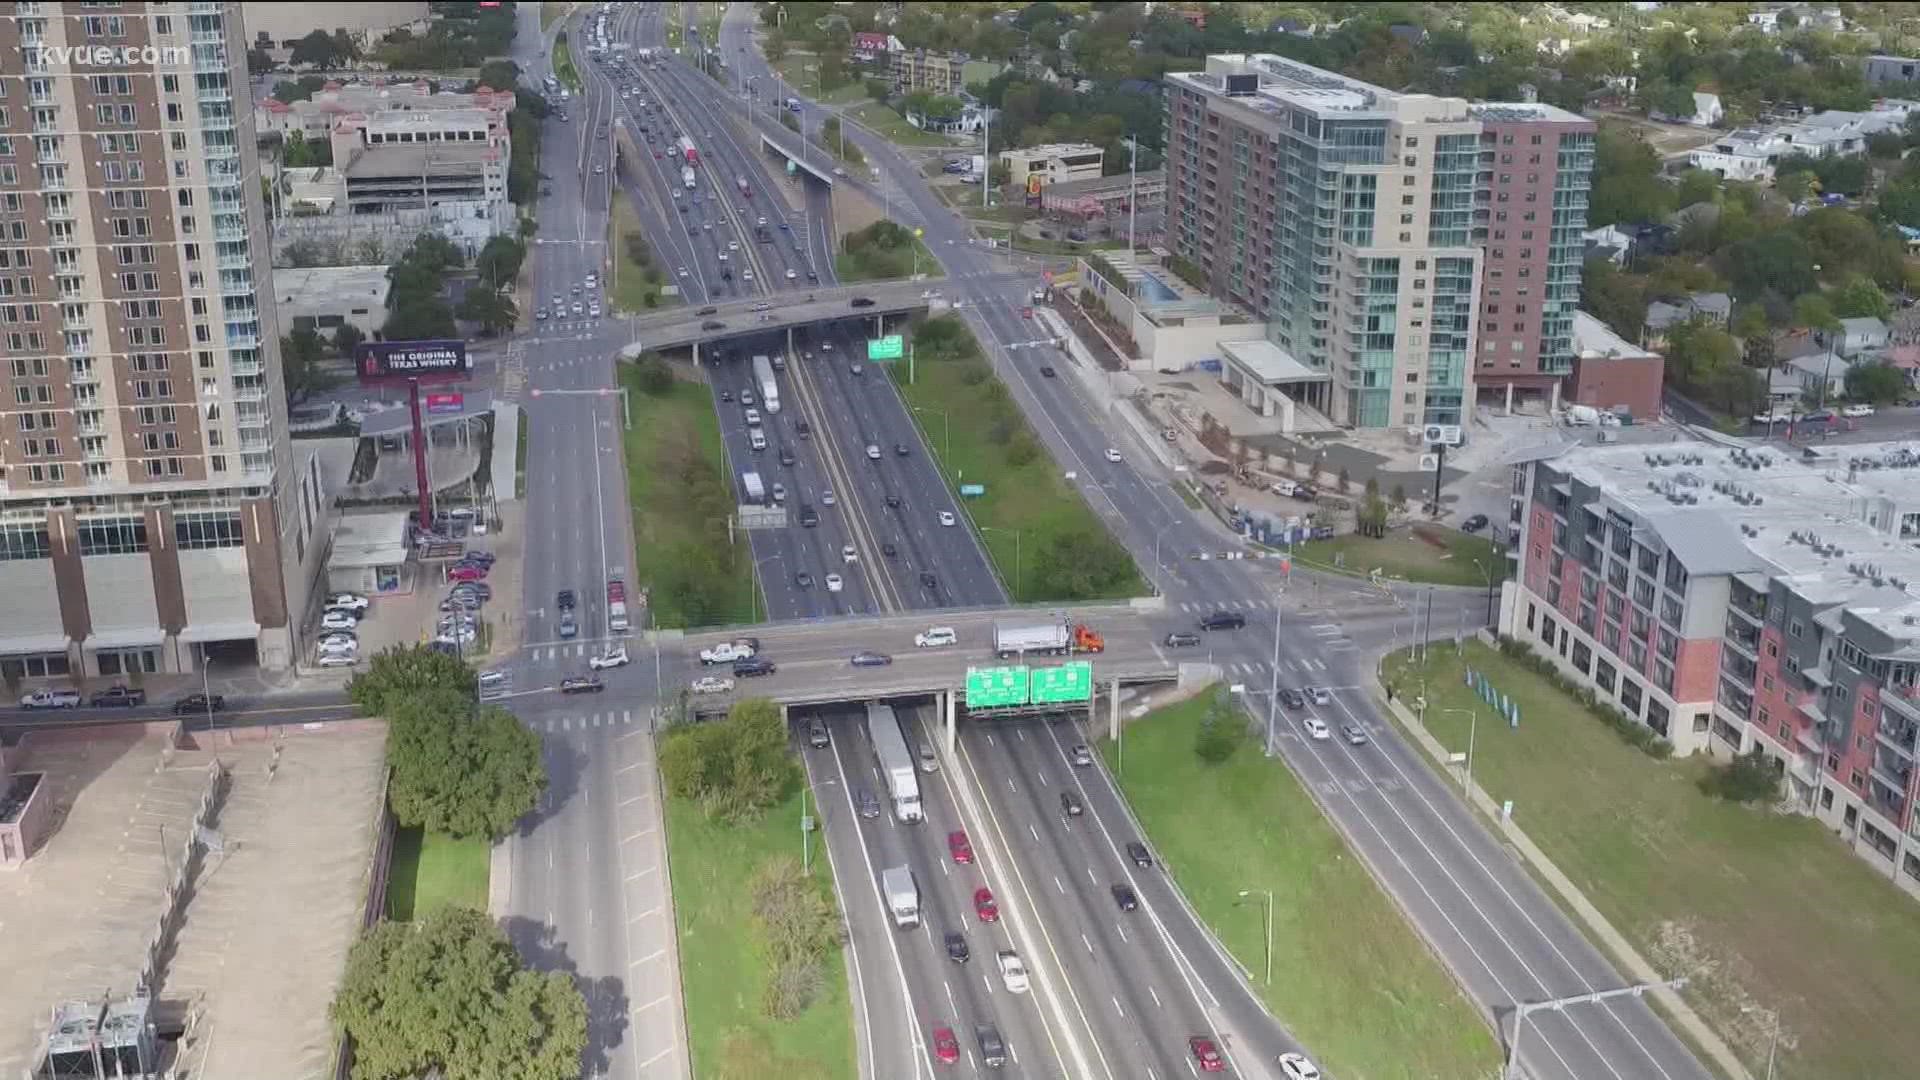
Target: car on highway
point(892, 501)
point(612, 658)
point(993, 1048)
point(1223, 620)
point(873, 451)
point(582, 684)
point(1354, 734)
point(1181, 639)
point(1046, 371)
point(200, 703)
point(51, 699)
point(1474, 523)
point(929, 582)
point(1124, 898)
point(834, 584)
point(1292, 699)
point(871, 659)
point(901, 449)
point(1070, 804)
point(118, 697)
point(753, 415)
point(1113, 455)
point(809, 517)
point(935, 637)
point(712, 324)
point(802, 429)
point(708, 311)
point(1206, 1054)
point(826, 497)
point(1298, 1067)
point(347, 601)
point(985, 906)
point(749, 668)
point(746, 275)
point(339, 619)
point(947, 519)
point(593, 309)
point(1316, 728)
point(540, 315)
point(577, 308)
point(1138, 852)
point(817, 736)
point(1319, 695)
point(929, 761)
point(1013, 971)
point(960, 847)
point(791, 276)
point(946, 1048)
point(803, 580)
point(786, 456)
point(856, 369)
point(712, 684)
point(869, 806)
point(957, 950)
point(847, 554)
point(569, 624)
point(861, 302)
point(888, 549)
point(779, 493)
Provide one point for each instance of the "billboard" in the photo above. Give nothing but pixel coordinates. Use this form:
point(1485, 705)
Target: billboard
point(435, 360)
point(446, 404)
point(1067, 683)
point(891, 347)
point(996, 688)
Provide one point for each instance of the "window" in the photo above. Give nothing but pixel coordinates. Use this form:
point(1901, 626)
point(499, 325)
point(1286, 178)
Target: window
point(207, 529)
point(1630, 696)
point(1582, 657)
point(22, 540)
point(1603, 676)
point(1657, 718)
point(113, 536)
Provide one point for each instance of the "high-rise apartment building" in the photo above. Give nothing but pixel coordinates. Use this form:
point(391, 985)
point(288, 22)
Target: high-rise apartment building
point(1359, 223)
point(150, 515)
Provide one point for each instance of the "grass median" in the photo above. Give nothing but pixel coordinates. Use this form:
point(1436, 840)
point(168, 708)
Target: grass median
point(427, 870)
point(884, 251)
point(563, 68)
point(723, 971)
point(1428, 554)
point(1765, 912)
point(1350, 978)
point(1043, 538)
point(637, 278)
point(682, 495)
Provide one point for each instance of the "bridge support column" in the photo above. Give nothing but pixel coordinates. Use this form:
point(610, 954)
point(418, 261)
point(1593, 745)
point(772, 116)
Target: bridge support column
point(1113, 709)
point(948, 729)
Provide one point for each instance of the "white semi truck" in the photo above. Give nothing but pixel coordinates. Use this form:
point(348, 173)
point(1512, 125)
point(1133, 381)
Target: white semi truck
point(903, 896)
point(769, 390)
point(896, 763)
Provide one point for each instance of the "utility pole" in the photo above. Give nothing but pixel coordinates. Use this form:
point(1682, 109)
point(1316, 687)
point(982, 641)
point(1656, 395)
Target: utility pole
point(1273, 681)
point(986, 156)
point(1133, 187)
point(1522, 1010)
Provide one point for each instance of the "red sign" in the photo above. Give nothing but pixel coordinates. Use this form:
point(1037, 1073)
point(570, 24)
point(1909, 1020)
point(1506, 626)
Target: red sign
point(1046, 276)
point(440, 404)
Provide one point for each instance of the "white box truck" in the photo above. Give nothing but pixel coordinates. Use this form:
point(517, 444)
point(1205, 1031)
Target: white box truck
point(896, 763)
point(756, 491)
point(903, 896)
point(686, 176)
point(769, 389)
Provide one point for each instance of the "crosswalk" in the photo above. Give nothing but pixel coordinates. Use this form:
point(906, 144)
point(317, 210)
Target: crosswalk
point(1194, 608)
point(612, 718)
point(513, 372)
point(572, 650)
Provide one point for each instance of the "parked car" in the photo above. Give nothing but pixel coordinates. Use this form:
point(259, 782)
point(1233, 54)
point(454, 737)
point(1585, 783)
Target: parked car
point(347, 601)
point(467, 572)
point(200, 703)
point(51, 699)
point(1474, 523)
point(339, 619)
point(122, 697)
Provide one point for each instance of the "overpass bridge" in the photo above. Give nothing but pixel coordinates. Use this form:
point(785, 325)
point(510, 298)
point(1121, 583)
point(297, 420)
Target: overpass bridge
point(784, 310)
point(792, 150)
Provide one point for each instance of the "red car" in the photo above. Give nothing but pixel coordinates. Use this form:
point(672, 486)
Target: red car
point(985, 906)
point(1206, 1054)
point(960, 847)
point(467, 572)
point(946, 1048)
point(1026, 313)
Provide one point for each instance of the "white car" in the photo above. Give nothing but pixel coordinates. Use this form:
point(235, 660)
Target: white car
point(339, 648)
point(338, 659)
point(847, 553)
point(1857, 410)
point(873, 452)
point(347, 601)
point(1316, 730)
point(339, 619)
point(51, 699)
point(712, 684)
point(734, 245)
point(612, 658)
point(1113, 455)
point(753, 417)
point(726, 653)
point(681, 270)
point(1013, 971)
point(947, 518)
point(826, 497)
point(593, 309)
point(593, 281)
point(791, 275)
point(746, 275)
point(1297, 1067)
point(834, 584)
point(1319, 695)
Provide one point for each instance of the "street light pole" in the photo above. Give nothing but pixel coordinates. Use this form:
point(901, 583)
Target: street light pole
point(1524, 1009)
point(1273, 687)
point(1244, 893)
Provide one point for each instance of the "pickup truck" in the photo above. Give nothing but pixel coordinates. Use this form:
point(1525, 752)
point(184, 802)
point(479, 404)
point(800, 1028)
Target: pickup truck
point(51, 699)
point(118, 697)
point(726, 652)
point(1013, 971)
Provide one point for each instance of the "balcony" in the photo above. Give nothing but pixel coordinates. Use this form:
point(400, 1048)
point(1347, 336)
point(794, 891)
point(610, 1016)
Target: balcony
point(250, 394)
point(246, 367)
point(1744, 640)
point(1894, 778)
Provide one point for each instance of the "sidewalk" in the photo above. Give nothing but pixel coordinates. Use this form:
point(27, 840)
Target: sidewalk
point(1615, 944)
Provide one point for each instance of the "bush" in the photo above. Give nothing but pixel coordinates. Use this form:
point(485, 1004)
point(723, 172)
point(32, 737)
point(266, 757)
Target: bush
point(734, 768)
point(799, 926)
point(656, 377)
point(1748, 778)
point(1221, 731)
point(1630, 730)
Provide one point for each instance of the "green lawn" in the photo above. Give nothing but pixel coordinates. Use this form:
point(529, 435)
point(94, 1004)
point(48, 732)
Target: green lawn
point(894, 127)
point(1350, 977)
point(1447, 558)
point(520, 459)
point(427, 870)
point(1761, 909)
point(563, 65)
point(631, 283)
point(793, 67)
point(977, 441)
point(894, 264)
point(666, 533)
point(721, 970)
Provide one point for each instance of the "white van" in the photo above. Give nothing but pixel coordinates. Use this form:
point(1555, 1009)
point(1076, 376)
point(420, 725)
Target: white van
point(934, 637)
point(756, 438)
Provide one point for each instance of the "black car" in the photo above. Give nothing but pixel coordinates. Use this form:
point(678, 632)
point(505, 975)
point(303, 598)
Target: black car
point(786, 456)
point(707, 311)
point(813, 277)
point(1292, 699)
point(893, 502)
point(869, 806)
point(1046, 371)
point(801, 429)
point(862, 301)
point(715, 324)
point(1123, 896)
point(480, 558)
point(1137, 851)
point(902, 449)
point(809, 517)
point(582, 684)
point(957, 950)
point(889, 550)
point(1474, 523)
point(747, 668)
point(929, 582)
point(565, 601)
point(120, 697)
point(199, 703)
point(993, 1048)
point(1070, 804)
point(726, 395)
point(871, 659)
point(1223, 620)
point(803, 580)
point(1181, 639)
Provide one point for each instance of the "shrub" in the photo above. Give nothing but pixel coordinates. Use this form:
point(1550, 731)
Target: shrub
point(1748, 778)
point(1221, 731)
point(1630, 730)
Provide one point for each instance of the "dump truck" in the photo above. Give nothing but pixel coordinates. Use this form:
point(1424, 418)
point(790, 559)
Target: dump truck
point(903, 896)
point(1045, 639)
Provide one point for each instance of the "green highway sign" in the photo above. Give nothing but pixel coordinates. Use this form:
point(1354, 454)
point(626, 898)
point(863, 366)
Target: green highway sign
point(1065, 684)
point(996, 688)
point(891, 347)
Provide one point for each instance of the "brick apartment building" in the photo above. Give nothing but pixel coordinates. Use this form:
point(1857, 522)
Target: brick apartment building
point(1733, 599)
point(1375, 232)
point(150, 512)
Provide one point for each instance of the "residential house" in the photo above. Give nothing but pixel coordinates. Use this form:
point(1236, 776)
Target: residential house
point(1611, 242)
point(1859, 337)
point(1663, 316)
point(1707, 111)
point(1890, 69)
point(1751, 154)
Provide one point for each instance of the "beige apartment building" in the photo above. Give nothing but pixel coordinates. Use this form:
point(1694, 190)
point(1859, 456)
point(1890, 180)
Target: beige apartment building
point(151, 516)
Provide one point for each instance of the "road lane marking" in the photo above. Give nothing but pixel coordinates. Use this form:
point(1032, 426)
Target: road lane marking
point(637, 874)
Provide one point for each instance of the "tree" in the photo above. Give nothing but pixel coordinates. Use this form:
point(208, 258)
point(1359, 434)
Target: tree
point(1221, 730)
point(878, 89)
point(323, 50)
point(301, 354)
point(419, 320)
point(654, 375)
point(1672, 99)
point(1793, 186)
point(301, 89)
point(1697, 186)
point(1877, 384)
point(405, 671)
point(1077, 564)
point(1815, 312)
point(448, 994)
point(259, 62)
point(1778, 261)
point(1749, 777)
point(493, 309)
point(1899, 205)
point(774, 45)
point(501, 75)
point(346, 339)
point(1613, 297)
point(734, 768)
point(461, 772)
point(298, 153)
point(1859, 298)
point(499, 260)
point(1626, 179)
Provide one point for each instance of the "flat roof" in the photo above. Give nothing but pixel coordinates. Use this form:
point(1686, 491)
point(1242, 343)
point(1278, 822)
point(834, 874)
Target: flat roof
point(308, 285)
point(370, 540)
point(1270, 363)
point(1106, 185)
point(433, 159)
point(1593, 338)
point(296, 837)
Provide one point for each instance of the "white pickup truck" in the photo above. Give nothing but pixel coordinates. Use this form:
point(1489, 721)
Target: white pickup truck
point(726, 653)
